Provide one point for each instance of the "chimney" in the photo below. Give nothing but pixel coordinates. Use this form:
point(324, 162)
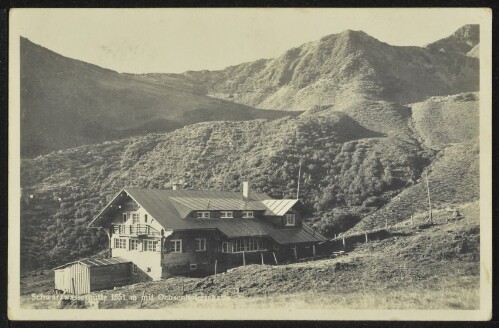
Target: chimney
point(177, 186)
point(246, 189)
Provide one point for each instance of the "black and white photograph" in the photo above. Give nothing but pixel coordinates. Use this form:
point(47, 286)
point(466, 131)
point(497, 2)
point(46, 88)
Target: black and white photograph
point(256, 163)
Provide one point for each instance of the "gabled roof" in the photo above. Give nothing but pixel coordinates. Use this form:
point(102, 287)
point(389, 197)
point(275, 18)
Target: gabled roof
point(278, 207)
point(170, 208)
point(95, 262)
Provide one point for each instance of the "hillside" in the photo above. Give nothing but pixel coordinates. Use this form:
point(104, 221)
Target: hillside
point(363, 144)
point(351, 64)
point(355, 159)
point(343, 164)
point(412, 268)
point(67, 103)
point(450, 126)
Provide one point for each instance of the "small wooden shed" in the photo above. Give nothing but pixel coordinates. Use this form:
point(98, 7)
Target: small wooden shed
point(87, 275)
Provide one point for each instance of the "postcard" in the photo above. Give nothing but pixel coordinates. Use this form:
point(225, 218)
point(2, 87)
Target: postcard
point(256, 163)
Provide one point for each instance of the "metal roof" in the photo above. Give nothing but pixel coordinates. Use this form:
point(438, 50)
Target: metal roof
point(278, 207)
point(296, 235)
point(95, 262)
point(233, 228)
point(170, 208)
point(217, 204)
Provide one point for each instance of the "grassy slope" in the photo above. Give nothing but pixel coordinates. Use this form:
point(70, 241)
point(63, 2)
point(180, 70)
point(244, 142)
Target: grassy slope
point(348, 169)
point(443, 121)
point(448, 125)
point(343, 164)
point(67, 103)
point(433, 268)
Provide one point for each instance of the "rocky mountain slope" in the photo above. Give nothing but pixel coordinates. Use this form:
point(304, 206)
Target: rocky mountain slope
point(67, 103)
point(342, 66)
point(462, 41)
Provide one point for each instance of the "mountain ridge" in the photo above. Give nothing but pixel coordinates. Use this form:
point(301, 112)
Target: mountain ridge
point(339, 66)
point(67, 103)
point(361, 157)
point(462, 40)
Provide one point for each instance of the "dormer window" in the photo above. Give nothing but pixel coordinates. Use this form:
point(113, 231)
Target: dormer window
point(248, 215)
point(203, 215)
point(226, 214)
point(289, 219)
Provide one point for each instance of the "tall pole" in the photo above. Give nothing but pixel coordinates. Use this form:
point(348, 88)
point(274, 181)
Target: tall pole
point(429, 200)
point(298, 189)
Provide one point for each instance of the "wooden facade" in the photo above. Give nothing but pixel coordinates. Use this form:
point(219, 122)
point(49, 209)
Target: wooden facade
point(165, 232)
point(82, 277)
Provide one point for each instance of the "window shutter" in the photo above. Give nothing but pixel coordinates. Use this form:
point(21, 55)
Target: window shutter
point(158, 246)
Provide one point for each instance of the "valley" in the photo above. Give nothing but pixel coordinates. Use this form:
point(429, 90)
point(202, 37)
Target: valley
point(364, 125)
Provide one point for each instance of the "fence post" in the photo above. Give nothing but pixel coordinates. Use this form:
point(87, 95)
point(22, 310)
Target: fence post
point(275, 258)
point(344, 244)
point(216, 267)
point(261, 255)
point(244, 258)
point(366, 236)
point(142, 298)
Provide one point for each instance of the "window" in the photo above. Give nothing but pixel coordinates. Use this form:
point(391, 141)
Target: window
point(125, 217)
point(203, 215)
point(194, 266)
point(150, 245)
point(225, 247)
point(145, 218)
point(226, 214)
point(134, 244)
point(135, 218)
point(200, 244)
point(176, 245)
point(238, 246)
point(248, 215)
point(290, 219)
point(120, 243)
point(252, 245)
point(135, 269)
point(244, 245)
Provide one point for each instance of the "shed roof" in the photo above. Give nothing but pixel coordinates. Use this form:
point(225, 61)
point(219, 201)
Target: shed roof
point(95, 262)
point(303, 234)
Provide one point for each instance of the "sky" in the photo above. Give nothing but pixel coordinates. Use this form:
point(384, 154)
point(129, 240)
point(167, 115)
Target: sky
point(177, 40)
